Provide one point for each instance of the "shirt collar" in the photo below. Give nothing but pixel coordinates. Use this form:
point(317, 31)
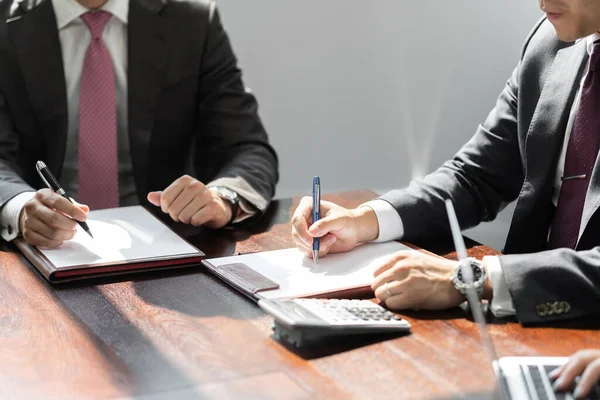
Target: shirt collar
point(589, 41)
point(67, 11)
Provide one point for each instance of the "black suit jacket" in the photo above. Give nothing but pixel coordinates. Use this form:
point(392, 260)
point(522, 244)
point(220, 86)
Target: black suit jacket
point(514, 156)
point(187, 103)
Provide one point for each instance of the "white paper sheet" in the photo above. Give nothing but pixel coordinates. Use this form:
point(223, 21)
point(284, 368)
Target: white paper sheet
point(126, 233)
point(298, 275)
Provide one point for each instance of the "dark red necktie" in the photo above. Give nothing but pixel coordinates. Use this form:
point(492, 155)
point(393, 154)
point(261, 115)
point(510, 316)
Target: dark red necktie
point(97, 158)
point(582, 151)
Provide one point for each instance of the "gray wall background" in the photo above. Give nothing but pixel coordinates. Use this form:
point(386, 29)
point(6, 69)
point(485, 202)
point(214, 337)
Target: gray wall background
point(370, 94)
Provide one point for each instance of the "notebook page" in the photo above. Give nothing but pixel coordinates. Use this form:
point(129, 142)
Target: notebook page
point(297, 275)
point(120, 234)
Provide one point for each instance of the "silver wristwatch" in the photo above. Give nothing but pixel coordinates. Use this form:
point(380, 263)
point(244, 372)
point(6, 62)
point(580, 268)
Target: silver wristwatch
point(230, 196)
point(479, 276)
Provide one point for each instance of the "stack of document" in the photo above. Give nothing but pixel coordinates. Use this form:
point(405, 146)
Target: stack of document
point(127, 239)
point(289, 273)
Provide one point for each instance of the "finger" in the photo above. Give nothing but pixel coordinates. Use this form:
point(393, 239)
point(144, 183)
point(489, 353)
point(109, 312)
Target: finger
point(324, 247)
point(325, 244)
point(400, 301)
point(381, 279)
point(303, 248)
point(54, 219)
point(83, 207)
point(300, 220)
point(56, 202)
point(387, 290)
point(154, 198)
point(327, 225)
point(304, 209)
point(398, 274)
point(186, 196)
point(588, 380)
point(49, 232)
point(574, 367)
point(171, 192)
point(389, 262)
point(556, 372)
point(306, 250)
point(385, 264)
point(300, 241)
point(36, 239)
point(192, 208)
point(203, 215)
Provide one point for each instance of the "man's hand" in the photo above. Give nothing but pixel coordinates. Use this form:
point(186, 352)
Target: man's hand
point(584, 363)
point(412, 280)
point(48, 219)
point(340, 229)
point(189, 201)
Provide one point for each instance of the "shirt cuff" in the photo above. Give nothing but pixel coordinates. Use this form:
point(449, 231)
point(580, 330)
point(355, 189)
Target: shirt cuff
point(250, 200)
point(502, 304)
point(9, 216)
point(390, 223)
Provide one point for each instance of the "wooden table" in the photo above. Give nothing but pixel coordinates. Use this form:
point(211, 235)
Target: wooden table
point(184, 334)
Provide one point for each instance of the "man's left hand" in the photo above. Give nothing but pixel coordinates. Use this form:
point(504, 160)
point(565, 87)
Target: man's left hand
point(412, 280)
point(189, 201)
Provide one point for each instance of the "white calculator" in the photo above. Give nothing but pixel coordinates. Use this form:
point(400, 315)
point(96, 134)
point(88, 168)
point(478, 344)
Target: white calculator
point(300, 320)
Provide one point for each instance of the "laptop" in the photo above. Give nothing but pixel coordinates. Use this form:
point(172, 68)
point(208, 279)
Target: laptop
point(517, 377)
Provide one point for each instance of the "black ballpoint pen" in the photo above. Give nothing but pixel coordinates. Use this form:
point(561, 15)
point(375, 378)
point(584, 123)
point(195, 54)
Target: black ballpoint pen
point(53, 184)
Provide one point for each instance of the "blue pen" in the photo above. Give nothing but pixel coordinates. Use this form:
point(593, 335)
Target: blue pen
point(316, 214)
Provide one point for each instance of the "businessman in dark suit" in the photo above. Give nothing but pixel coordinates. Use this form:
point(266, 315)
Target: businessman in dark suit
point(538, 146)
point(128, 102)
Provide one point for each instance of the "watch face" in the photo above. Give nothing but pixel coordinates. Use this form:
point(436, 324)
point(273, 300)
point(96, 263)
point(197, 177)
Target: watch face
point(226, 192)
point(477, 273)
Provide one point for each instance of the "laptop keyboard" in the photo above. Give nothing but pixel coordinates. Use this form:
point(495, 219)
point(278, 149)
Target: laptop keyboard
point(540, 384)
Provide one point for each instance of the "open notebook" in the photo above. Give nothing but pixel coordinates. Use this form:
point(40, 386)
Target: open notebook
point(126, 239)
point(289, 273)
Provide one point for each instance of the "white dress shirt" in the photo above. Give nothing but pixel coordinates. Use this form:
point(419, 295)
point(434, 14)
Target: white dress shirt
point(75, 38)
point(391, 227)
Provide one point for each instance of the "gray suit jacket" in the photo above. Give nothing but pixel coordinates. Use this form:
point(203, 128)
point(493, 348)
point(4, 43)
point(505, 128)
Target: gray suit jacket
point(187, 103)
point(514, 155)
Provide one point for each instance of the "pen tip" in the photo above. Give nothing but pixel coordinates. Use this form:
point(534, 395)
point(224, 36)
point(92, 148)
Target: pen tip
point(90, 233)
point(316, 256)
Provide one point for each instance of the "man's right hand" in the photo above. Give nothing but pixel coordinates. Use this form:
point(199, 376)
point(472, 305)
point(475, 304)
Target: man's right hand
point(45, 221)
point(340, 229)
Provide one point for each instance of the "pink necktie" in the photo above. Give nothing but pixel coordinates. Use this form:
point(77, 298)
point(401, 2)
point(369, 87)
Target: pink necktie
point(582, 151)
point(97, 150)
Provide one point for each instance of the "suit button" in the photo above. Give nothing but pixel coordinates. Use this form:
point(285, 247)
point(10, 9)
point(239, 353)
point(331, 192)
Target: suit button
point(566, 307)
point(542, 310)
point(556, 308)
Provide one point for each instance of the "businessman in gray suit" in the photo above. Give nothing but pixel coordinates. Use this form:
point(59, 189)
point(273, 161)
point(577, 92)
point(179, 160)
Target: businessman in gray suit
point(127, 102)
point(538, 146)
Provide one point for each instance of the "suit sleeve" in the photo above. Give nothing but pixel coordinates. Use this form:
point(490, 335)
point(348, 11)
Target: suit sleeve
point(11, 181)
point(234, 143)
point(553, 285)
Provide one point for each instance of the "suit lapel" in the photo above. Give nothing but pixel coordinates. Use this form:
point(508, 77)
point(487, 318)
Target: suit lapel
point(148, 55)
point(34, 38)
point(543, 143)
point(547, 130)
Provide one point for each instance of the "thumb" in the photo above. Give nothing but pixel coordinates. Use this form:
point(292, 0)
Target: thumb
point(154, 198)
point(326, 225)
point(82, 207)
